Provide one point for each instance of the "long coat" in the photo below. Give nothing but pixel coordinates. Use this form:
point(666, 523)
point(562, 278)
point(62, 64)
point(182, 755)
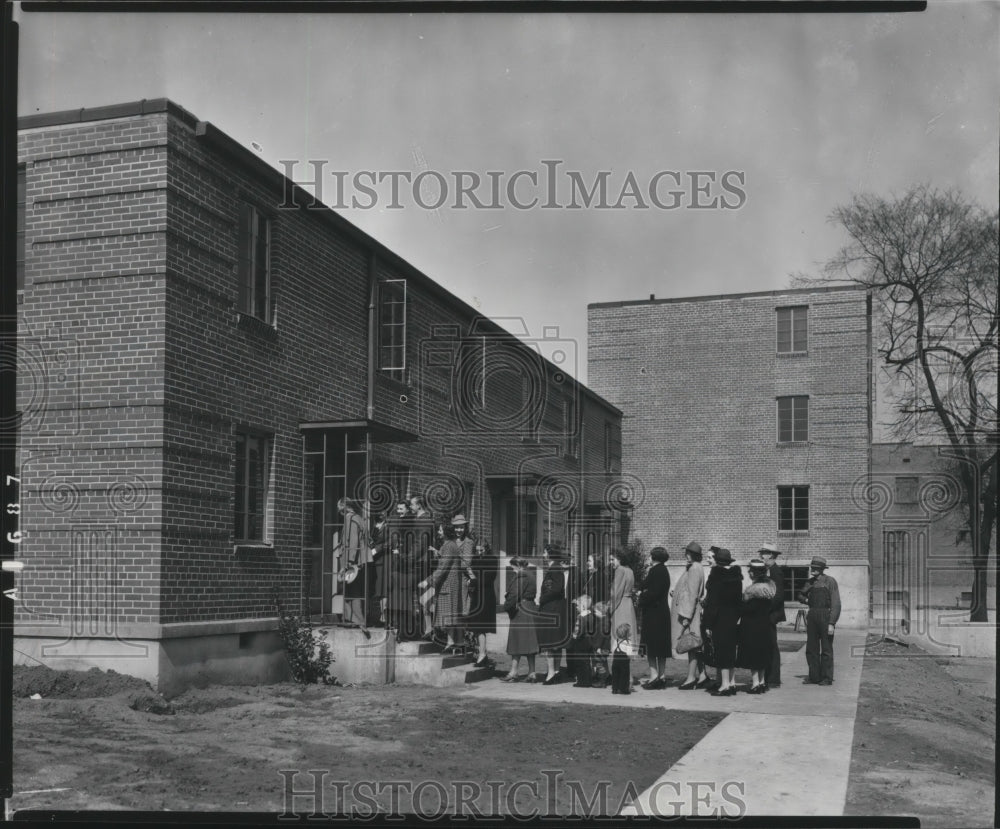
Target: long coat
point(655, 604)
point(466, 550)
point(447, 582)
point(688, 593)
point(482, 615)
point(777, 575)
point(622, 606)
point(755, 626)
point(553, 628)
point(520, 598)
point(724, 593)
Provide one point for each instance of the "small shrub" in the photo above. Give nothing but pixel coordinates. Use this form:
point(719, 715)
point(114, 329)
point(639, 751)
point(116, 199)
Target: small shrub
point(307, 650)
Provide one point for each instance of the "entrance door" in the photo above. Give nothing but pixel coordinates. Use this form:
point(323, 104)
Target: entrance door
point(897, 549)
point(335, 463)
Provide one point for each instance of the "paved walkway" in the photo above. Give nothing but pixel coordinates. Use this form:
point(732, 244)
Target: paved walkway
point(787, 752)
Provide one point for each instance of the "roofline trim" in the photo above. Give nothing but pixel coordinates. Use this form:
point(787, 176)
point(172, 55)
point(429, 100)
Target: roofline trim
point(749, 294)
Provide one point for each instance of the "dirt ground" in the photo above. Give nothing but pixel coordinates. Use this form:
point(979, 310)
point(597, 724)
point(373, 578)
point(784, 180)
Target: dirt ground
point(924, 738)
point(923, 746)
point(225, 748)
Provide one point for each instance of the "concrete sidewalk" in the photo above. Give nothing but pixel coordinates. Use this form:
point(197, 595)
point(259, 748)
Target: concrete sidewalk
point(787, 752)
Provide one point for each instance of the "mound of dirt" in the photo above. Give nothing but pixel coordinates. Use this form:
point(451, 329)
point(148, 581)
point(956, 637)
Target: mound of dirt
point(93, 684)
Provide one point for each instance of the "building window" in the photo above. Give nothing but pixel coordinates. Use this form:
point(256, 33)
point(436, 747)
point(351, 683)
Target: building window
point(906, 489)
point(252, 487)
point(793, 419)
point(254, 263)
point(793, 509)
point(392, 327)
point(21, 207)
point(793, 329)
point(795, 579)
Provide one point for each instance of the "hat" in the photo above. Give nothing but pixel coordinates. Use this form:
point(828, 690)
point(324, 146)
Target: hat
point(757, 566)
point(459, 520)
point(769, 548)
point(722, 555)
point(818, 563)
point(693, 547)
point(659, 554)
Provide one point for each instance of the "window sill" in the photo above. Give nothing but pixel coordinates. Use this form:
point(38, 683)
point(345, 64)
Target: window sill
point(248, 322)
point(793, 444)
point(391, 382)
point(791, 533)
point(249, 548)
point(783, 354)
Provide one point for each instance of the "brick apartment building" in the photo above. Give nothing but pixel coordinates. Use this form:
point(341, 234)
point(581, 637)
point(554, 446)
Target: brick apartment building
point(207, 365)
point(747, 420)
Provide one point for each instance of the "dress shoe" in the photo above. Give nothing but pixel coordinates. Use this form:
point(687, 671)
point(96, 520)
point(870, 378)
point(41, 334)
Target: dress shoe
point(826, 682)
point(652, 684)
point(808, 681)
point(702, 684)
point(728, 692)
point(712, 688)
point(531, 678)
point(551, 680)
point(687, 686)
point(508, 678)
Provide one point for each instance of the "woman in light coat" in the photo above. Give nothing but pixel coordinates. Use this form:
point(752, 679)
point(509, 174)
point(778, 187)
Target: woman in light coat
point(622, 590)
point(688, 593)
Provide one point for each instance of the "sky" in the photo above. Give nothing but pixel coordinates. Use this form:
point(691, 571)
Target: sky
point(794, 112)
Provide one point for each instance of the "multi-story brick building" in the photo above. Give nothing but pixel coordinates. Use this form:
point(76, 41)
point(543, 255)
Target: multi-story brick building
point(210, 360)
point(747, 420)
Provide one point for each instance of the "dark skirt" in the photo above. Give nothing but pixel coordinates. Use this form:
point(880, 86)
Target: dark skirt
point(755, 637)
point(656, 631)
point(724, 639)
point(552, 629)
point(522, 640)
point(482, 615)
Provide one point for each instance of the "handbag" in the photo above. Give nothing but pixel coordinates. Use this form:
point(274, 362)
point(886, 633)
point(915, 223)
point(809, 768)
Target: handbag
point(688, 641)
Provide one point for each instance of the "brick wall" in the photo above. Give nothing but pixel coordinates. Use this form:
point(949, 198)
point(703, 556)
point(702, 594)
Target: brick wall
point(697, 382)
point(91, 344)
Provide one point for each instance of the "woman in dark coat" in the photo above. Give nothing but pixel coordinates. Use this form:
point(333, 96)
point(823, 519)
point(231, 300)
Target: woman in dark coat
point(519, 602)
point(482, 617)
point(553, 629)
point(402, 571)
point(755, 626)
point(655, 606)
point(724, 593)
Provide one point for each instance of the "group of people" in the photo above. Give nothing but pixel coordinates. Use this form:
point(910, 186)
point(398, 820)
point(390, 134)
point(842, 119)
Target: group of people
point(445, 589)
point(424, 578)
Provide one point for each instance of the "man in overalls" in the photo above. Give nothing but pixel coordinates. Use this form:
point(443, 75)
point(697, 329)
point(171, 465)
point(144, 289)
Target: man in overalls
point(823, 597)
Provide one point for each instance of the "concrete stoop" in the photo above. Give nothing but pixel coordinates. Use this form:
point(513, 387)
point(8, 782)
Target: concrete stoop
point(422, 663)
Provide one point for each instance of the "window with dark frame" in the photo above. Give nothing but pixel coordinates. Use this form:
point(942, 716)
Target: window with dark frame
point(793, 508)
point(254, 263)
point(794, 580)
point(21, 207)
point(570, 429)
point(793, 329)
point(251, 487)
point(793, 419)
point(392, 327)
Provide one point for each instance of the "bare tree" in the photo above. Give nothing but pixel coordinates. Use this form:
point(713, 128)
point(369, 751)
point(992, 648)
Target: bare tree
point(930, 259)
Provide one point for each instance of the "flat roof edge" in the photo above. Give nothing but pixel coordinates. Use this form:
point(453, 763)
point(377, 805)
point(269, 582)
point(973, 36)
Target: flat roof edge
point(718, 297)
point(146, 106)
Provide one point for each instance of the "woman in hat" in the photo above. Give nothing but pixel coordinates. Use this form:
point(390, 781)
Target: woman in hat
point(754, 651)
point(519, 603)
point(655, 605)
point(553, 610)
point(447, 581)
point(482, 616)
point(466, 550)
point(622, 591)
point(723, 593)
point(688, 595)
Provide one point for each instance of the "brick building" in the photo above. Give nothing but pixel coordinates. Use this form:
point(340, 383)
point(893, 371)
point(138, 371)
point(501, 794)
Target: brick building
point(747, 420)
point(209, 361)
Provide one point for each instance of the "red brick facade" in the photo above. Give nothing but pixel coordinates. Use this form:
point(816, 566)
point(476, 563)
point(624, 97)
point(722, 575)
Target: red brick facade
point(128, 451)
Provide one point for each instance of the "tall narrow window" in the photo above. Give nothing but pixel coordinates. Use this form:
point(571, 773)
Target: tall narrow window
point(570, 428)
point(254, 264)
point(793, 419)
point(21, 206)
point(392, 327)
point(793, 508)
point(251, 487)
point(793, 329)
